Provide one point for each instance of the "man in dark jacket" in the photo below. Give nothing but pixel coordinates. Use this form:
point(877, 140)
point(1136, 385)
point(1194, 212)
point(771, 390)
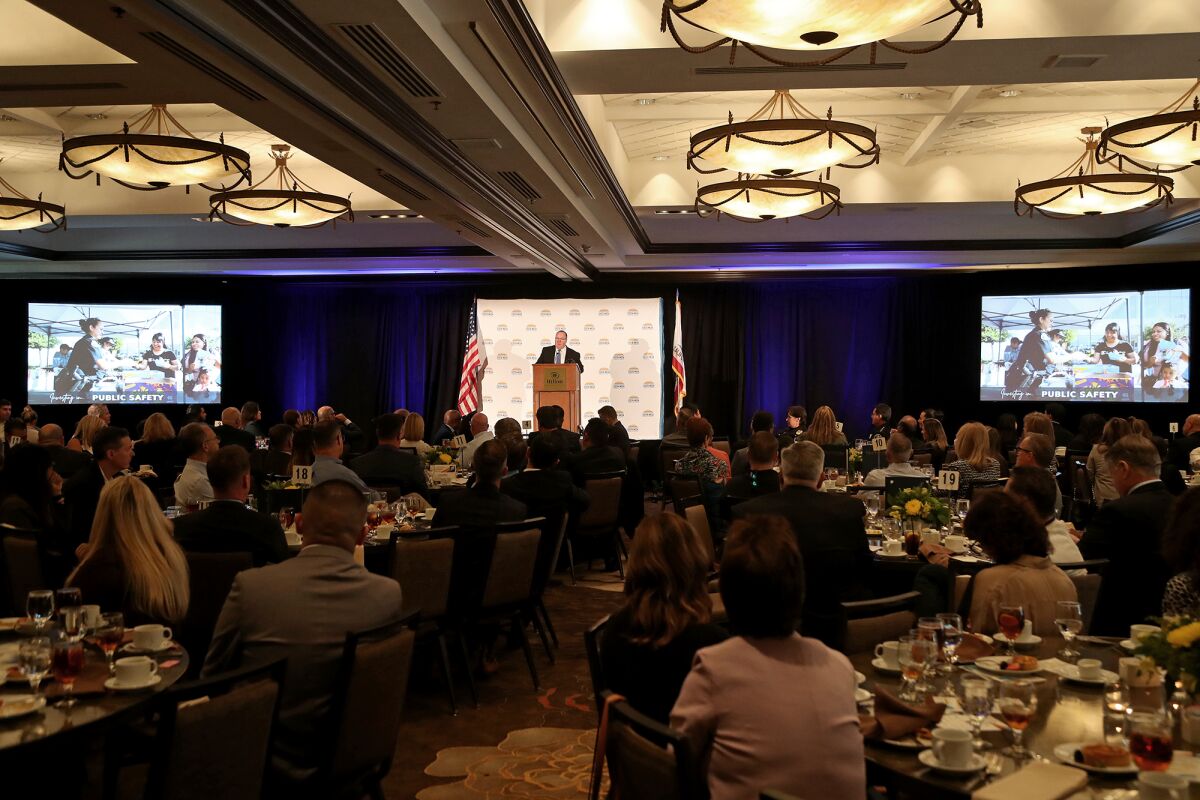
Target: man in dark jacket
point(113, 450)
point(597, 457)
point(1182, 447)
point(230, 431)
point(389, 464)
point(67, 462)
point(545, 490)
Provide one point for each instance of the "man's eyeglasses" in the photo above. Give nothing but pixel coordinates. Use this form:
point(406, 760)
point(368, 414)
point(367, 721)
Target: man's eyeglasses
point(1022, 449)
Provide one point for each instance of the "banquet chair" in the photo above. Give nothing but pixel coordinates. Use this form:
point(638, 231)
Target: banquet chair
point(508, 593)
point(549, 547)
point(591, 645)
point(722, 444)
point(667, 456)
point(680, 488)
point(1084, 502)
point(1087, 587)
point(211, 577)
point(646, 759)
point(696, 515)
point(922, 459)
point(24, 566)
point(869, 622)
point(213, 737)
point(364, 720)
point(600, 523)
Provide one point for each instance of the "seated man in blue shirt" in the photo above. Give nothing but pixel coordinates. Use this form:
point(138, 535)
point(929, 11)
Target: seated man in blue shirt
point(327, 446)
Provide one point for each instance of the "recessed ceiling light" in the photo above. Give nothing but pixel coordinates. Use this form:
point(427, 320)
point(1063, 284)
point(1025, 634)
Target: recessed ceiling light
point(97, 115)
point(397, 215)
point(675, 211)
point(645, 101)
point(207, 219)
point(7, 118)
point(910, 95)
point(662, 158)
point(1010, 92)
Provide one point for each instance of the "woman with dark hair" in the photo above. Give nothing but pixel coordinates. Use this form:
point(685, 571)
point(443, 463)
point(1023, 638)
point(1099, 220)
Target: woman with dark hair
point(1009, 432)
point(1103, 489)
point(1010, 533)
point(770, 707)
point(935, 438)
point(1037, 354)
point(1091, 428)
point(795, 422)
point(649, 645)
point(302, 448)
point(31, 491)
point(87, 360)
point(197, 357)
point(1181, 551)
point(996, 451)
point(1160, 350)
point(157, 446)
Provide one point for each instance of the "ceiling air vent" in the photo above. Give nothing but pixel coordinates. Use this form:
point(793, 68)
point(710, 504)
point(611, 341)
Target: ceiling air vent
point(379, 48)
point(401, 185)
point(204, 65)
point(472, 227)
point(977, 122)
point(766, 70)
point(1071, 62)
point(60, 87)
point(561, 225)
point(522, 187)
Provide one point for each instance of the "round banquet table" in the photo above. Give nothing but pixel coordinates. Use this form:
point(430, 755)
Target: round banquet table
point(1067, 712)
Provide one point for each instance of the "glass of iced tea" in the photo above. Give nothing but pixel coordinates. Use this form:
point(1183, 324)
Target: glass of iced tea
point(110, 635)
point(1150, 741)
point(1018, 704)
point(912, 542)
point(915, 655)
point(1010, 619)
point(66, 664)
point(287, 516)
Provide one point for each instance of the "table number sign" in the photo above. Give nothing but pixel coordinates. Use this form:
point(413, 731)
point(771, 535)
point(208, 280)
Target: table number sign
point(878, 444)
point(1174, 427)
point(459, 441)
point(302, 475)
point(948, 479)
point(838, 425)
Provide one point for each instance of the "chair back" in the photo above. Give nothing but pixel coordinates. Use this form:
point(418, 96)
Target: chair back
point(510, 578)
point(668, 454)
point(1087, 587)
point(869, 622)
point(423, 569)
point(604, 506)
point(210, 576)
point(921, 459)
point(837, 456)
point(21, 554)
point(591, 644)
point(548, 549)
point(1081, 486)
point(1091, 566)
point(214, 736)
point(697, 517)
point(648, 759)
point(368, 700)
point(722, 445)
point(680, 488)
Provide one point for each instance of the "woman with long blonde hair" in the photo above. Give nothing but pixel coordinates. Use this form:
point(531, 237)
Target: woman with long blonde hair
point(823, 428)
point(85, 433)
point(649, 644)
point(157, 446)
point(157, 428)
point(974, 464)
point(412, 435)
point(132, 563)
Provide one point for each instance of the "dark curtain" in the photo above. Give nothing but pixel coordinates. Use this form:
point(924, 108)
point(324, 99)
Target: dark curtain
point(713, 333)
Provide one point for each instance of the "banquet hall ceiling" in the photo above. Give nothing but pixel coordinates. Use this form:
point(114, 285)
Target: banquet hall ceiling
point(550, 135)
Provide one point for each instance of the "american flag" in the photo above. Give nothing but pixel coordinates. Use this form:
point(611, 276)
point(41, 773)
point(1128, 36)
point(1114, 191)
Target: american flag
point(677, 356)
point(474, 362)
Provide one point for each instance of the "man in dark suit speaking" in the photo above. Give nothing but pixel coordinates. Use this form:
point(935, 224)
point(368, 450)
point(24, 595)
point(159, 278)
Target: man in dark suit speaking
point(559, 353)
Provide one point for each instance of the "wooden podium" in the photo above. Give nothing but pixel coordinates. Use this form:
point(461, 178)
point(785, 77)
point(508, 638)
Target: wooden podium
point(558, 385)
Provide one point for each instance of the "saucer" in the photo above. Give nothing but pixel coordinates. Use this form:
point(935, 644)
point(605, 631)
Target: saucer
point(859, 678)
point(1129, 644)
point(1032, 641)
point(18, 705)
point(882, 666)
point(1105, 678)
point(117, 686)
point(862, 695)
point(976, 763)
point(1065, 753)
point(167, 644)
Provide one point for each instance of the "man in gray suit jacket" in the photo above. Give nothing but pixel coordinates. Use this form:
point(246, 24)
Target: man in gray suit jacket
point(302, 610)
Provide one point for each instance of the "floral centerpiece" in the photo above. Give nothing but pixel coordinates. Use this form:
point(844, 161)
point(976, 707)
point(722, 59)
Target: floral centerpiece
point(1175, 648)
point(441, 456)
point(855, 457)
point(918, 504)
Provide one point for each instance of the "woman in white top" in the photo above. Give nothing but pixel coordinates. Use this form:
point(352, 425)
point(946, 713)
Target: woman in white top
point(1103, 489)
point(412, 435)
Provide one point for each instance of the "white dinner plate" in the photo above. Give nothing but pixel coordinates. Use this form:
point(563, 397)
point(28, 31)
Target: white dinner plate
point(910, 742)
point(1030, 642)
point(862, 695)
point(882, 666)
point(976, 763)
point(859, 678)
point(131, 648)
point(1106, 677)
point(117, 686)
point(1066, 754)
point(18, 705)
point(992, 664)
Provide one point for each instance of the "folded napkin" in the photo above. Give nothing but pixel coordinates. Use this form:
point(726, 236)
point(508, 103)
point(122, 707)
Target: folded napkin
point(895, 719)
point(972, 648)
point(1038, 780)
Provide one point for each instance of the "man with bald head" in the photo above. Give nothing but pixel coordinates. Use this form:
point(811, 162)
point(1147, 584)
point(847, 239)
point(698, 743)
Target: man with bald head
point(301, 610)
point(67, 462)
point(1182, 446)
point(479, 435)
point(231, 431)
point(353, 438)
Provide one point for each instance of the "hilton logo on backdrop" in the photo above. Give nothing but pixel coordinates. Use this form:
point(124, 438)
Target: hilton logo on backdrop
point(517, 370)
point(588, 327)
point(574, 312)
point(502, 356)
point(647, 326)
point(636, 428)
point(604, 401)
point(589, 385)
point(515, 401)
point(501, 385)
point(602, 312)
point(547, 312)
point(530, 356)
point(618, 356)
point(647, 356)
point(502, 328)
point(603, 343)
point(517, 342)
point(648, 385)
point(634, 371)
point(487, 342)
point(618, 385)
point(589, 356)
point(487, 312)
point(633, 398)
point(632, 342)
point(574, 343)
point(646, 413)
point(605, 371)
point(617, 326)
point(487, 398)
point(487, 371)
point(633, 312)
point(529, 385)
point(545, 342)
point(530, 328)
point(516, 312)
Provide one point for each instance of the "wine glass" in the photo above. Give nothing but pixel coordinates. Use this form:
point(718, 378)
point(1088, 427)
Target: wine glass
point(961, 507)
point(73, 622)
point(1150, 740)
point(952, 631)
point(872, 501)
point(1018, 703)
point(1068, 616)
point(915, 655)
point(110, 635)
point(34, 655)
point(67, 597)
point(67, 663)
point(1010, 619)
point(39, 606)
point(976, 697)
point(930, 628)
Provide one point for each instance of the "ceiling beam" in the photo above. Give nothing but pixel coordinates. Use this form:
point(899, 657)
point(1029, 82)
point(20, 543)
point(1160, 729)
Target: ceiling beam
point(960, 101)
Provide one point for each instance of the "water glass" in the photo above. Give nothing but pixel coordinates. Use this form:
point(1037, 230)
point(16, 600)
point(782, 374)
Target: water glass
point(952, 631)
point(73, 622)
point(1068, 616)
point(872, 502)
point(1118, 706)
point(34, 656)
point(961, 507)
point(1018, 704)
point(976, 696)
point(110, 635)
point(915, 655)
point(39, 606)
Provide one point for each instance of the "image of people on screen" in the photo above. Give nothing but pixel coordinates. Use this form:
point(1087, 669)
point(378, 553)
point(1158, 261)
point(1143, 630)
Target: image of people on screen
point(1114, 350)
point(1038, 355)
point(61, 358)
point(159, 359)
point(1012, 351)
point(88, 362)
point(1160, 350)
point(202, 391)
point(197, 358)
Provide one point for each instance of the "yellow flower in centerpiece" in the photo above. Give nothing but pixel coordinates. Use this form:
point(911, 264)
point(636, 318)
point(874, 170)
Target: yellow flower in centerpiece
point(912, 508)
point(1185, 636)
point(445, 458)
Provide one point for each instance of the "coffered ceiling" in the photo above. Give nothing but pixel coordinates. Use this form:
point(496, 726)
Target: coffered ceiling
point(550, 135)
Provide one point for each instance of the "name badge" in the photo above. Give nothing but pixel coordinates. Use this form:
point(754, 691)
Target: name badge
point(302, 475)
point(948, 479)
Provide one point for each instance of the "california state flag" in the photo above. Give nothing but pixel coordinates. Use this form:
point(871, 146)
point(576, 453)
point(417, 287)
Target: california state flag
point(677, 356)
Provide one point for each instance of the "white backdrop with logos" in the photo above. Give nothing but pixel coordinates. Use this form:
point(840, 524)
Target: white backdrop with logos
point(619, 341)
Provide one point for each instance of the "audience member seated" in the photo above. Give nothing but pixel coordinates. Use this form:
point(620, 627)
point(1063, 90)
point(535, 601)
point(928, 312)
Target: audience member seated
point(354, 441)
point(277, 458)
point(995, 450)
point(327, 462)
point(912, 430)
point(85, 433)
point(881, 421)
point(1010, 533)
point(301, 610)
point(760, 477)
point(973, 464)
point(291, 417)
point(158, 446)
point(1091, 427)
point(546, 490)
point(1061, 437)
point(597, 457)
point(449, 429)
point(198, 443)
point(649, 645)
point(67, 462)
point(517, 451)
point(132, 564)
point(549, 421)
point(1103, 490)
point(618, 435)
point(479, 434)
point(1036, 422)
point(1037, 450)
point(483, 505)
point(230, 431)
point(1182, 447)
point(823, 429)
point(830, 532)
point(252, 420)
point(794, 423)
point(31, 496)
point(1128, 532)
point(899, 452)
point(227, 525)
point(1009, 433)
point(769, 707)
point(1169, 475)
point(936, 443)
point(113, 452)
point(699, 463)
point(388, 464)
point(679, 437)
point(762, 421)
point(1040, 489)
point(412, 435)
point(1181, 550)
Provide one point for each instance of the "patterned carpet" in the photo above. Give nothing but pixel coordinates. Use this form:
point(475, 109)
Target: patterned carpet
point(518, 743)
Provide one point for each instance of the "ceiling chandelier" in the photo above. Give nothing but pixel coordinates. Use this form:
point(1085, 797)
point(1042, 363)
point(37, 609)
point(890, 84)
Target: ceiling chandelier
point(19, 212)
point(152, 153)
point(783, 138)
point(280, 199)
point(753, 199)
point(814, 24)
point(1081, 190)
point(1166, 139)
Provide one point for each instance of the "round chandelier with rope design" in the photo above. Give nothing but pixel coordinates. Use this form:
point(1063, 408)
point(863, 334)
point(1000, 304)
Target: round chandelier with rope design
point(1083, 190)
point(280, 199)
point(783, 139)
point(19, 212)
point(152, 153)
point(753, 199)
point(1168, 141)
point(814, 25)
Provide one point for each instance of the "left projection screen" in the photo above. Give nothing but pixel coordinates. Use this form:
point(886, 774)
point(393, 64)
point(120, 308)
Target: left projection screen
point(123, 354)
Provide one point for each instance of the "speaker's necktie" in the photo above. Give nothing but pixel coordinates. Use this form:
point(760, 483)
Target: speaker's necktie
point(557, 356)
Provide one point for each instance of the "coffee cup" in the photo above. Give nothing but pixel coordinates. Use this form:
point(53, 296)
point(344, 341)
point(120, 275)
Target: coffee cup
point(1089, 668)
point(1161, 786)
point(956, 544)
point(134, 670)
point(931, 537)
point(1136, 674)
point(952, 747)
point(1139, 632)
point(91, 616)
point(889, 652)
point(150, 637)
point(892, 547)
point(1026, 632)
